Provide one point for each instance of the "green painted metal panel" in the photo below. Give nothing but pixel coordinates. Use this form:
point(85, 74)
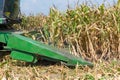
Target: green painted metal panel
point(3, 37)
point(32, 46)
point(23, 56)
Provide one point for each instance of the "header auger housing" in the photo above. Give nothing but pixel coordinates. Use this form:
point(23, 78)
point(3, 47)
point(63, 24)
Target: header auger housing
point(26, 49)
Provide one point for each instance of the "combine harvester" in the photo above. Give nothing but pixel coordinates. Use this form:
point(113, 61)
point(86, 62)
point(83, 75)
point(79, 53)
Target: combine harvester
point(26, 49)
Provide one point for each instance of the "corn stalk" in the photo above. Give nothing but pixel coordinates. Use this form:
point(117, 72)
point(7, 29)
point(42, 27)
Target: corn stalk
point(118, 4)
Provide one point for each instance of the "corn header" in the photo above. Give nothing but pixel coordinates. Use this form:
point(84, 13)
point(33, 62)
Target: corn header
point(26, 49)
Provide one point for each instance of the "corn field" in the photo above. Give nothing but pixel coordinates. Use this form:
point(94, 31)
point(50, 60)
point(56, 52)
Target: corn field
point(93, 34)
point(90, 33)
